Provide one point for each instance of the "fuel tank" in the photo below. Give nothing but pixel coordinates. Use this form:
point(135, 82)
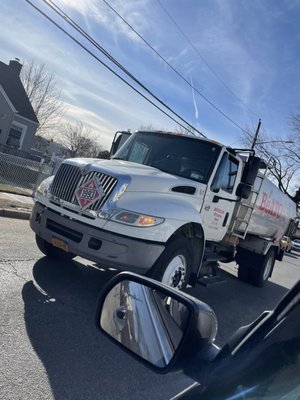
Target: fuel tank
point(272, 213)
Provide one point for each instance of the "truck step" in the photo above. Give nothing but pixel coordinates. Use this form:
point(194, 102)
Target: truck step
point(210, 280)
point(212, 257)
point(239, 234)
point(245, 221)
point(209, 274)
point(248, 206)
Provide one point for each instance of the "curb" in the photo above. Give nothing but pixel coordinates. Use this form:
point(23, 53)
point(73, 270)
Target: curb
point(18, 214)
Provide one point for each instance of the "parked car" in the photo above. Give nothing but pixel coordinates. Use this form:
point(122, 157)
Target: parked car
point(168, 330)
point(286, 244)
point(296, 245)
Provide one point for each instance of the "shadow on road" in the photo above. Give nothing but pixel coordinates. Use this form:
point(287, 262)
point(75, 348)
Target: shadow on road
point(59, 310)
point(236, 303)
point(291, 255)
point(60, 305)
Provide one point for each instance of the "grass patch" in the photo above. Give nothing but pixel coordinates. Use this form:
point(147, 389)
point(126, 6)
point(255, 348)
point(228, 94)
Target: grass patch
point(15, 190)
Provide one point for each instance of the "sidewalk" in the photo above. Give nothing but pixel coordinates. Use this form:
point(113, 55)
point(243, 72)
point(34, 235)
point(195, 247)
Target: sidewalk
point(15, 205)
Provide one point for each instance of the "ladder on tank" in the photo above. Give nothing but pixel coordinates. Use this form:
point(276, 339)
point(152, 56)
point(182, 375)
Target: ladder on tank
point(246, 207)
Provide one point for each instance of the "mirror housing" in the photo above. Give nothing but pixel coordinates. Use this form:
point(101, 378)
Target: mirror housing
point(250, 171)
point(243, 190)
point(118, 141)
point(139, 315)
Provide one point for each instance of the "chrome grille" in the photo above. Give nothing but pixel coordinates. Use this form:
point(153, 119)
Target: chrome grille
point(68, 178)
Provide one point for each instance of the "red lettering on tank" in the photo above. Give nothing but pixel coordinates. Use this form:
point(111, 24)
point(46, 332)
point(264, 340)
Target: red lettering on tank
point(263, 200)
point(272, 210)
point(271, 207)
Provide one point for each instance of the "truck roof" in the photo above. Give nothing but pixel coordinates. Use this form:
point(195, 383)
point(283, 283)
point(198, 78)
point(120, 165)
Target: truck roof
point(177, 133)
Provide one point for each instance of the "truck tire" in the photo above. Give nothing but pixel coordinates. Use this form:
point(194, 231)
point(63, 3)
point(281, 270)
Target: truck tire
point(244, 260)
point(52, 252)
point(174, 266)
point(280, 254)
point(243, 272)
point(262, 268)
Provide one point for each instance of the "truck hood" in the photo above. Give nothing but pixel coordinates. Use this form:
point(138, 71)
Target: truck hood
point(142, 177)
point(151, 191)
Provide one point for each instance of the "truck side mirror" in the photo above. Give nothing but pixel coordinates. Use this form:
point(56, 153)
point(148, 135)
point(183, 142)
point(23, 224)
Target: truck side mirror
point(118, 141)
point(155, 323)
point(243, 190)
point(250, 170)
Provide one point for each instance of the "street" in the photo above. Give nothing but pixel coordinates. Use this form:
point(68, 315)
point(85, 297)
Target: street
point(50, 347)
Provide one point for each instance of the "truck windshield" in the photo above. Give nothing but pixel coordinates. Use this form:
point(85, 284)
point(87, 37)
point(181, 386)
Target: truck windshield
point(183, 156)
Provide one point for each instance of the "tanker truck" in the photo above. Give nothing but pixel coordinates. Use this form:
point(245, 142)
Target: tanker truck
point(166, 205)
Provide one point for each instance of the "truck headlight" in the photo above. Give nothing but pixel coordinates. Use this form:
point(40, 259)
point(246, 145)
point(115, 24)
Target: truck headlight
point(135, 219)
point(44, 187)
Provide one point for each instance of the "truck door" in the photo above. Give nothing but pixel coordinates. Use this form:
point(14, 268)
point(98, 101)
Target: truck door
point(217, 208)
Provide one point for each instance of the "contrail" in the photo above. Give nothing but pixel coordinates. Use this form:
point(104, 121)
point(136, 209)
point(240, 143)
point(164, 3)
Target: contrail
point(194, 100)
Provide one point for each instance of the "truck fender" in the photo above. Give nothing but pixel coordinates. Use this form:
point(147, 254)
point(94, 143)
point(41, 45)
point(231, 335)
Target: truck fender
point(256, 245)
point(195, 233)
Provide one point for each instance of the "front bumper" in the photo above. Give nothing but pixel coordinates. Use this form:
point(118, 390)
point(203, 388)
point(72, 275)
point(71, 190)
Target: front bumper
point(95, 244)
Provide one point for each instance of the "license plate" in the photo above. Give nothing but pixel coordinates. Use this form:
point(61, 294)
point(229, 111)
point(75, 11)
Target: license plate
point(60, 244)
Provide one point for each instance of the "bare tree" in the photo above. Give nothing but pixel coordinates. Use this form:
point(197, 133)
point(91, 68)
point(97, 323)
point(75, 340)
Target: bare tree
point(186, 130)
point(104, 154)
point(283, 170)
point(294, 150)
point(147, 128)
point(43, 94)
point(79, 140)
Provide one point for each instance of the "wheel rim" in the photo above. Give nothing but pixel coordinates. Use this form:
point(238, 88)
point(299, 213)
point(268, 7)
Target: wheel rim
point(175, 272)
point(267, 269)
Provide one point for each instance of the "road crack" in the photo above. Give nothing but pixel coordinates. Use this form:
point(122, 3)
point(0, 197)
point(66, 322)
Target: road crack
point(4, 260)
point(14, 272)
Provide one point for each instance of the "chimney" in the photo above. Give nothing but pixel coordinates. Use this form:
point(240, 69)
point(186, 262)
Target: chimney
point(15, 66)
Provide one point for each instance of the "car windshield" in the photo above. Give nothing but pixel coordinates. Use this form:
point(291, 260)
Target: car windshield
point(185, 156)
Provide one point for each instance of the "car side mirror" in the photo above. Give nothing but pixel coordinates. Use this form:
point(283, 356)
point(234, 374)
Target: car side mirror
point(161, 326)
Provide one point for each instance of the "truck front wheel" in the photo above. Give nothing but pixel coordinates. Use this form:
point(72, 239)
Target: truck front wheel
point(50, 251)
point(174, 266)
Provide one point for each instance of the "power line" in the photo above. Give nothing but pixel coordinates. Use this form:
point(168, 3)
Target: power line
point(174, 69)
point(63, 15)
point(71, 22)
point(202, 58)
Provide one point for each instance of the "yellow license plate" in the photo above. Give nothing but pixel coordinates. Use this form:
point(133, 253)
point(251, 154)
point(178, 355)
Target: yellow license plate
point(60, 244)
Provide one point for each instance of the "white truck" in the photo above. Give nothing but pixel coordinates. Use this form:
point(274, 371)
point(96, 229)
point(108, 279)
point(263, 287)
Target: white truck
point(166, 205)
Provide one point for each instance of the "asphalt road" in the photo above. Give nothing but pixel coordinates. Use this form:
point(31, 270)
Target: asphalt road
point(50, 347)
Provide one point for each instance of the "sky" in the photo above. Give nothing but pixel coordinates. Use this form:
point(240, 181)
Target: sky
point(242, 56)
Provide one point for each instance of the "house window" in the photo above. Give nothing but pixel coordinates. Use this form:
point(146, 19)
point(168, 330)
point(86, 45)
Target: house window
point(16, 135)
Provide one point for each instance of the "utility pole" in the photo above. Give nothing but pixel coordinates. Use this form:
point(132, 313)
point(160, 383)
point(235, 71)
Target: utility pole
point(256, 134)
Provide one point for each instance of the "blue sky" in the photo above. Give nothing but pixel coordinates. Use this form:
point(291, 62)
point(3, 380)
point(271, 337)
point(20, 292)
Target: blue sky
point(253, 46)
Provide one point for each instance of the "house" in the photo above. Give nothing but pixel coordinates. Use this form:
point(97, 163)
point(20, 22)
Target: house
point(18, 122)
point(48, 148)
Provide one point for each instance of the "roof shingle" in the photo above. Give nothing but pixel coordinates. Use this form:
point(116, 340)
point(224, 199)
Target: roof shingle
point(12, 85)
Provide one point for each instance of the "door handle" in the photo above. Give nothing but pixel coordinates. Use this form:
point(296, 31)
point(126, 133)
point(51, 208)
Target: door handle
point(225, 219)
